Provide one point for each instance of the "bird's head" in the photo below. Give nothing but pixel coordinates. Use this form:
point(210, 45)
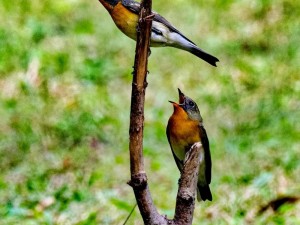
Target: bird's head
point(109, 4)
point(189, 106)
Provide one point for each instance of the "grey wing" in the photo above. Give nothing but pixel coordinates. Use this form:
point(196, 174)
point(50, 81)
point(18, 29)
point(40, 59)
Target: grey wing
point(205, 143)
point(132, 6)
point(135, 8)
point(160, 19)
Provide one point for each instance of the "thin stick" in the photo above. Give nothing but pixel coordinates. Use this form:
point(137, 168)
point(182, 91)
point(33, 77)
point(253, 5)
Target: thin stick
point(130, 214)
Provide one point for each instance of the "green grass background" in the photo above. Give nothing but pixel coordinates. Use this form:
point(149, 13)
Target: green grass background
point(65, 85)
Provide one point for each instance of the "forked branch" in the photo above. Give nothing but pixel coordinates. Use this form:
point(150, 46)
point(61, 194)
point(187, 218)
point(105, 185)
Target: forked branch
point(186, 194)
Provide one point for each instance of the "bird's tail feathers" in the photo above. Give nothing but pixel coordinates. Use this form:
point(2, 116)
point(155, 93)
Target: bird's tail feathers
point(181, 42)
point(203, 55)
point(203, 193)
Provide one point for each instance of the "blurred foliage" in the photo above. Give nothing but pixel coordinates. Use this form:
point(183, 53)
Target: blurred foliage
point(65, 85)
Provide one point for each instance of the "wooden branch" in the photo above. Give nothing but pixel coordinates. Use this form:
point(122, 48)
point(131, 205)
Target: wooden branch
point(185, 202)
point(139, 84)
point(186, 194)
point(138, 176)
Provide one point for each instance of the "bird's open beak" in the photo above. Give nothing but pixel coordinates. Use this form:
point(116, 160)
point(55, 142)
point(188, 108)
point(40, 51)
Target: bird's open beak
point(106, 4)
point(180, 92)
point(176, 104)
point(181, 96)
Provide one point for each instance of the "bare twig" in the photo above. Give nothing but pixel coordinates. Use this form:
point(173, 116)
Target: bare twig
point(129, 214)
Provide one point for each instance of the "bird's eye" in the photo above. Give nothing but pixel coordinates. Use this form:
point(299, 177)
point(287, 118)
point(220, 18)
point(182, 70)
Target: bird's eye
point(191, 104)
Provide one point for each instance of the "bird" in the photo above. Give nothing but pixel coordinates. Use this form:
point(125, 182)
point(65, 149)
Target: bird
point(125, 14)
point(185, 127)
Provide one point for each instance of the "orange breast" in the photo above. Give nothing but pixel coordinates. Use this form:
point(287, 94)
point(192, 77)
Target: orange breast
point(182, 131)
point(125, 20)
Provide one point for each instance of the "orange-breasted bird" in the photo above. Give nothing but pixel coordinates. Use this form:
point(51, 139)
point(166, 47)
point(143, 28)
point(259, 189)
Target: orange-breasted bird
point(125, 14)
point(185, 127)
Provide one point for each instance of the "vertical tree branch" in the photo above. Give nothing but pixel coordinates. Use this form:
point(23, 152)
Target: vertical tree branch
point(139, 84)
point(186, 194)
point(138, 176)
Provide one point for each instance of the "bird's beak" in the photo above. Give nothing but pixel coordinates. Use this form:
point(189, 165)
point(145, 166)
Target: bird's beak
point(107, 5)
point(181, 96)
point(176, 104)
point(180, 92)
